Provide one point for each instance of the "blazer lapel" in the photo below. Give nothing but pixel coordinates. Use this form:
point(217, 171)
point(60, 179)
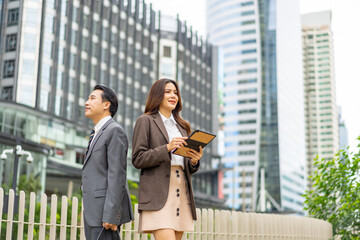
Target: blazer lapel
point(97, 137)
point(159, 122)
point(181, 130)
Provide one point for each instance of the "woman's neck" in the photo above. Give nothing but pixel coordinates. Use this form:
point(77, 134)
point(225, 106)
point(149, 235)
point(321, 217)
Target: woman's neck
point(165, 113)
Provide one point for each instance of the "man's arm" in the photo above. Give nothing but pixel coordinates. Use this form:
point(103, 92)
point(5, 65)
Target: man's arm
point(117, 146)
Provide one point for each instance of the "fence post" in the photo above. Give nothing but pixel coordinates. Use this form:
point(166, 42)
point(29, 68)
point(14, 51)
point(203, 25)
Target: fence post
point(10, 214)
point(204, 223)
point(21, 215)
point(42, 225)
point(268, 227)
point(259, 226)
point(127, 229)
point(210, 235)
point(31, 216)
point(1, 205)
point(223, 225)
point(234, 226)
point(228, 230)
point(279, 226)
point(136, 223)
point(53, 217)
point(217, 225)
point(197, 228)
point(82, 233)
point(63, 221)
point(74, 213)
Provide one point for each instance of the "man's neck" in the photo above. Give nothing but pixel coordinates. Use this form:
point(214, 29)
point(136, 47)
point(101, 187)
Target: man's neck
point(98, 119)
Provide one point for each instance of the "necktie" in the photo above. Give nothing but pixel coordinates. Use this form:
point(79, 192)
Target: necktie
point(90, 139)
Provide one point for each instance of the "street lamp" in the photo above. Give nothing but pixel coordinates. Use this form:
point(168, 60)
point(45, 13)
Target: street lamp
point(18, 152)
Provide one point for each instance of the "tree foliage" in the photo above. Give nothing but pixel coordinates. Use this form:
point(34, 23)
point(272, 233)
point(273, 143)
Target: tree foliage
point(335, 194)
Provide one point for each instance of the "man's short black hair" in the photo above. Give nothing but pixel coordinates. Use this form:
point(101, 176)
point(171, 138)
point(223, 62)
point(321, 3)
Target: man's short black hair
point(109, 95)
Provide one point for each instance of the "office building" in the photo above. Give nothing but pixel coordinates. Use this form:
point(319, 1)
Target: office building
point(343, 133)
point(321, 114)
point(185, 56)
point(54, 52)
point(263, 100)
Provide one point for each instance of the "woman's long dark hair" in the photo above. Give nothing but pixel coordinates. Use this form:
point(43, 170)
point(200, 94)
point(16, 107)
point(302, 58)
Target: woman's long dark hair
point(156, 96)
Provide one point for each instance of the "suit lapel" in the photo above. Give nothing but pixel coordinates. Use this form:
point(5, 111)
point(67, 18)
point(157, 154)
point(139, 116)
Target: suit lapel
point(97, 137)
point(181, 130)
point(160, 124)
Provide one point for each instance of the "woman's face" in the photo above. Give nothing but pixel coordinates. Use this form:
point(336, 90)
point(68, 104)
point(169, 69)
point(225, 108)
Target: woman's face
point(170, 97)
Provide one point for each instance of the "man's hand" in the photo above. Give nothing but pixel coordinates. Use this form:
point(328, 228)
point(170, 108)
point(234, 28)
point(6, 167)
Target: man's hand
point(110, 226)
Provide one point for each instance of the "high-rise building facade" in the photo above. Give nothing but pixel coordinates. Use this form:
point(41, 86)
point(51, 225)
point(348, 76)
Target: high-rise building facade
point(263, 99)
point(321, 114)
point(343, 133)
point(185, 56)
point(54, 52)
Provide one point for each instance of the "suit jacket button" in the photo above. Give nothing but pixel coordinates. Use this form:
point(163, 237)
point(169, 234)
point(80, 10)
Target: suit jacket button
point(167, 175)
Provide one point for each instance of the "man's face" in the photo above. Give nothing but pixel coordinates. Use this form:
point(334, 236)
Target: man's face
point(95, 106)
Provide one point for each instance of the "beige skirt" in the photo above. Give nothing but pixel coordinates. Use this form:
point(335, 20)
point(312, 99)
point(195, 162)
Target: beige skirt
point(176, 213)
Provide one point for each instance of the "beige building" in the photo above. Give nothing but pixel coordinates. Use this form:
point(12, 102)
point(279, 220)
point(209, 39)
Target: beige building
point(321, 114)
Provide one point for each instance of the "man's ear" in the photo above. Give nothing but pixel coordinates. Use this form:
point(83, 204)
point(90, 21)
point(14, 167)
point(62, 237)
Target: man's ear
point(107, 105)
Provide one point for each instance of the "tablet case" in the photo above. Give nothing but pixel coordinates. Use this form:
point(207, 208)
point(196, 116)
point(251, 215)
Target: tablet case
point(196, 139)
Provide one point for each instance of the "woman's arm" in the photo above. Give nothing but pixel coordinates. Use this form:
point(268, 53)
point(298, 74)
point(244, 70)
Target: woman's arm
point(194, 158)
point(142, 155)
point(193, 168)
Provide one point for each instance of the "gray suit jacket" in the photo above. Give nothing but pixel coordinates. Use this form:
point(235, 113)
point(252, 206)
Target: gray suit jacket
point(105, 190)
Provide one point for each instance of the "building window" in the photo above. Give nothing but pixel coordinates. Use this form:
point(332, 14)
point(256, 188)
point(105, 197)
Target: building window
point(13, 16)
point(27, 95)
point(44, 99)
point(9, 68)
point(58, 105)
point(30, 44)
point(69, 110)
point(167, 51)
point(84, 44)
point(7, 93)
point(32, 18)
point(28, 67)
point(166, 69)
point(11, 42)
point(47, 48)
point(50, 3)
point(80, 157)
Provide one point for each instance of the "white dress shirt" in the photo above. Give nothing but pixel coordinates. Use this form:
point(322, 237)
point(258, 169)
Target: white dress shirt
point(98, 126)
point(173, 131)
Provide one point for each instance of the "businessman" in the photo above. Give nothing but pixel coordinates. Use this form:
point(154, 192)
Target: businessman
point(106, 197)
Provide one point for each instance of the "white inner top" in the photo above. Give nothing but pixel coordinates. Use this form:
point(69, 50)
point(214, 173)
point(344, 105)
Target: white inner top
point(173, 131)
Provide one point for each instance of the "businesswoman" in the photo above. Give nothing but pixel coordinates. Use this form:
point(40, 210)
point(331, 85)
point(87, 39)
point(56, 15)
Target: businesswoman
point(166, 201)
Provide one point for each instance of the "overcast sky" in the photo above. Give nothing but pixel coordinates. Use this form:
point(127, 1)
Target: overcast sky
point(345, 24)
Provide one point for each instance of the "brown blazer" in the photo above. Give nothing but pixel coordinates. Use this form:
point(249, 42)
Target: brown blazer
point(150, 154)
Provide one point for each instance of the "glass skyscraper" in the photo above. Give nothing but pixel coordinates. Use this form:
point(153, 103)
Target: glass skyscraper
point(53, 52)
point(263, 100)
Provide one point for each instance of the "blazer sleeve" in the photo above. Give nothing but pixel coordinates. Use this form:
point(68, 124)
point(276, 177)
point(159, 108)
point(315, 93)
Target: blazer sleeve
point(142, 155)
point(117, 146)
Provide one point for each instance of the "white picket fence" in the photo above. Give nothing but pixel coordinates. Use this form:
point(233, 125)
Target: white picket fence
point(211, 224)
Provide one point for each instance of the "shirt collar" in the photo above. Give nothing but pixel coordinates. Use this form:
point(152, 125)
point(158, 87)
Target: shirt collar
point(164, 118)
point(101, 123)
